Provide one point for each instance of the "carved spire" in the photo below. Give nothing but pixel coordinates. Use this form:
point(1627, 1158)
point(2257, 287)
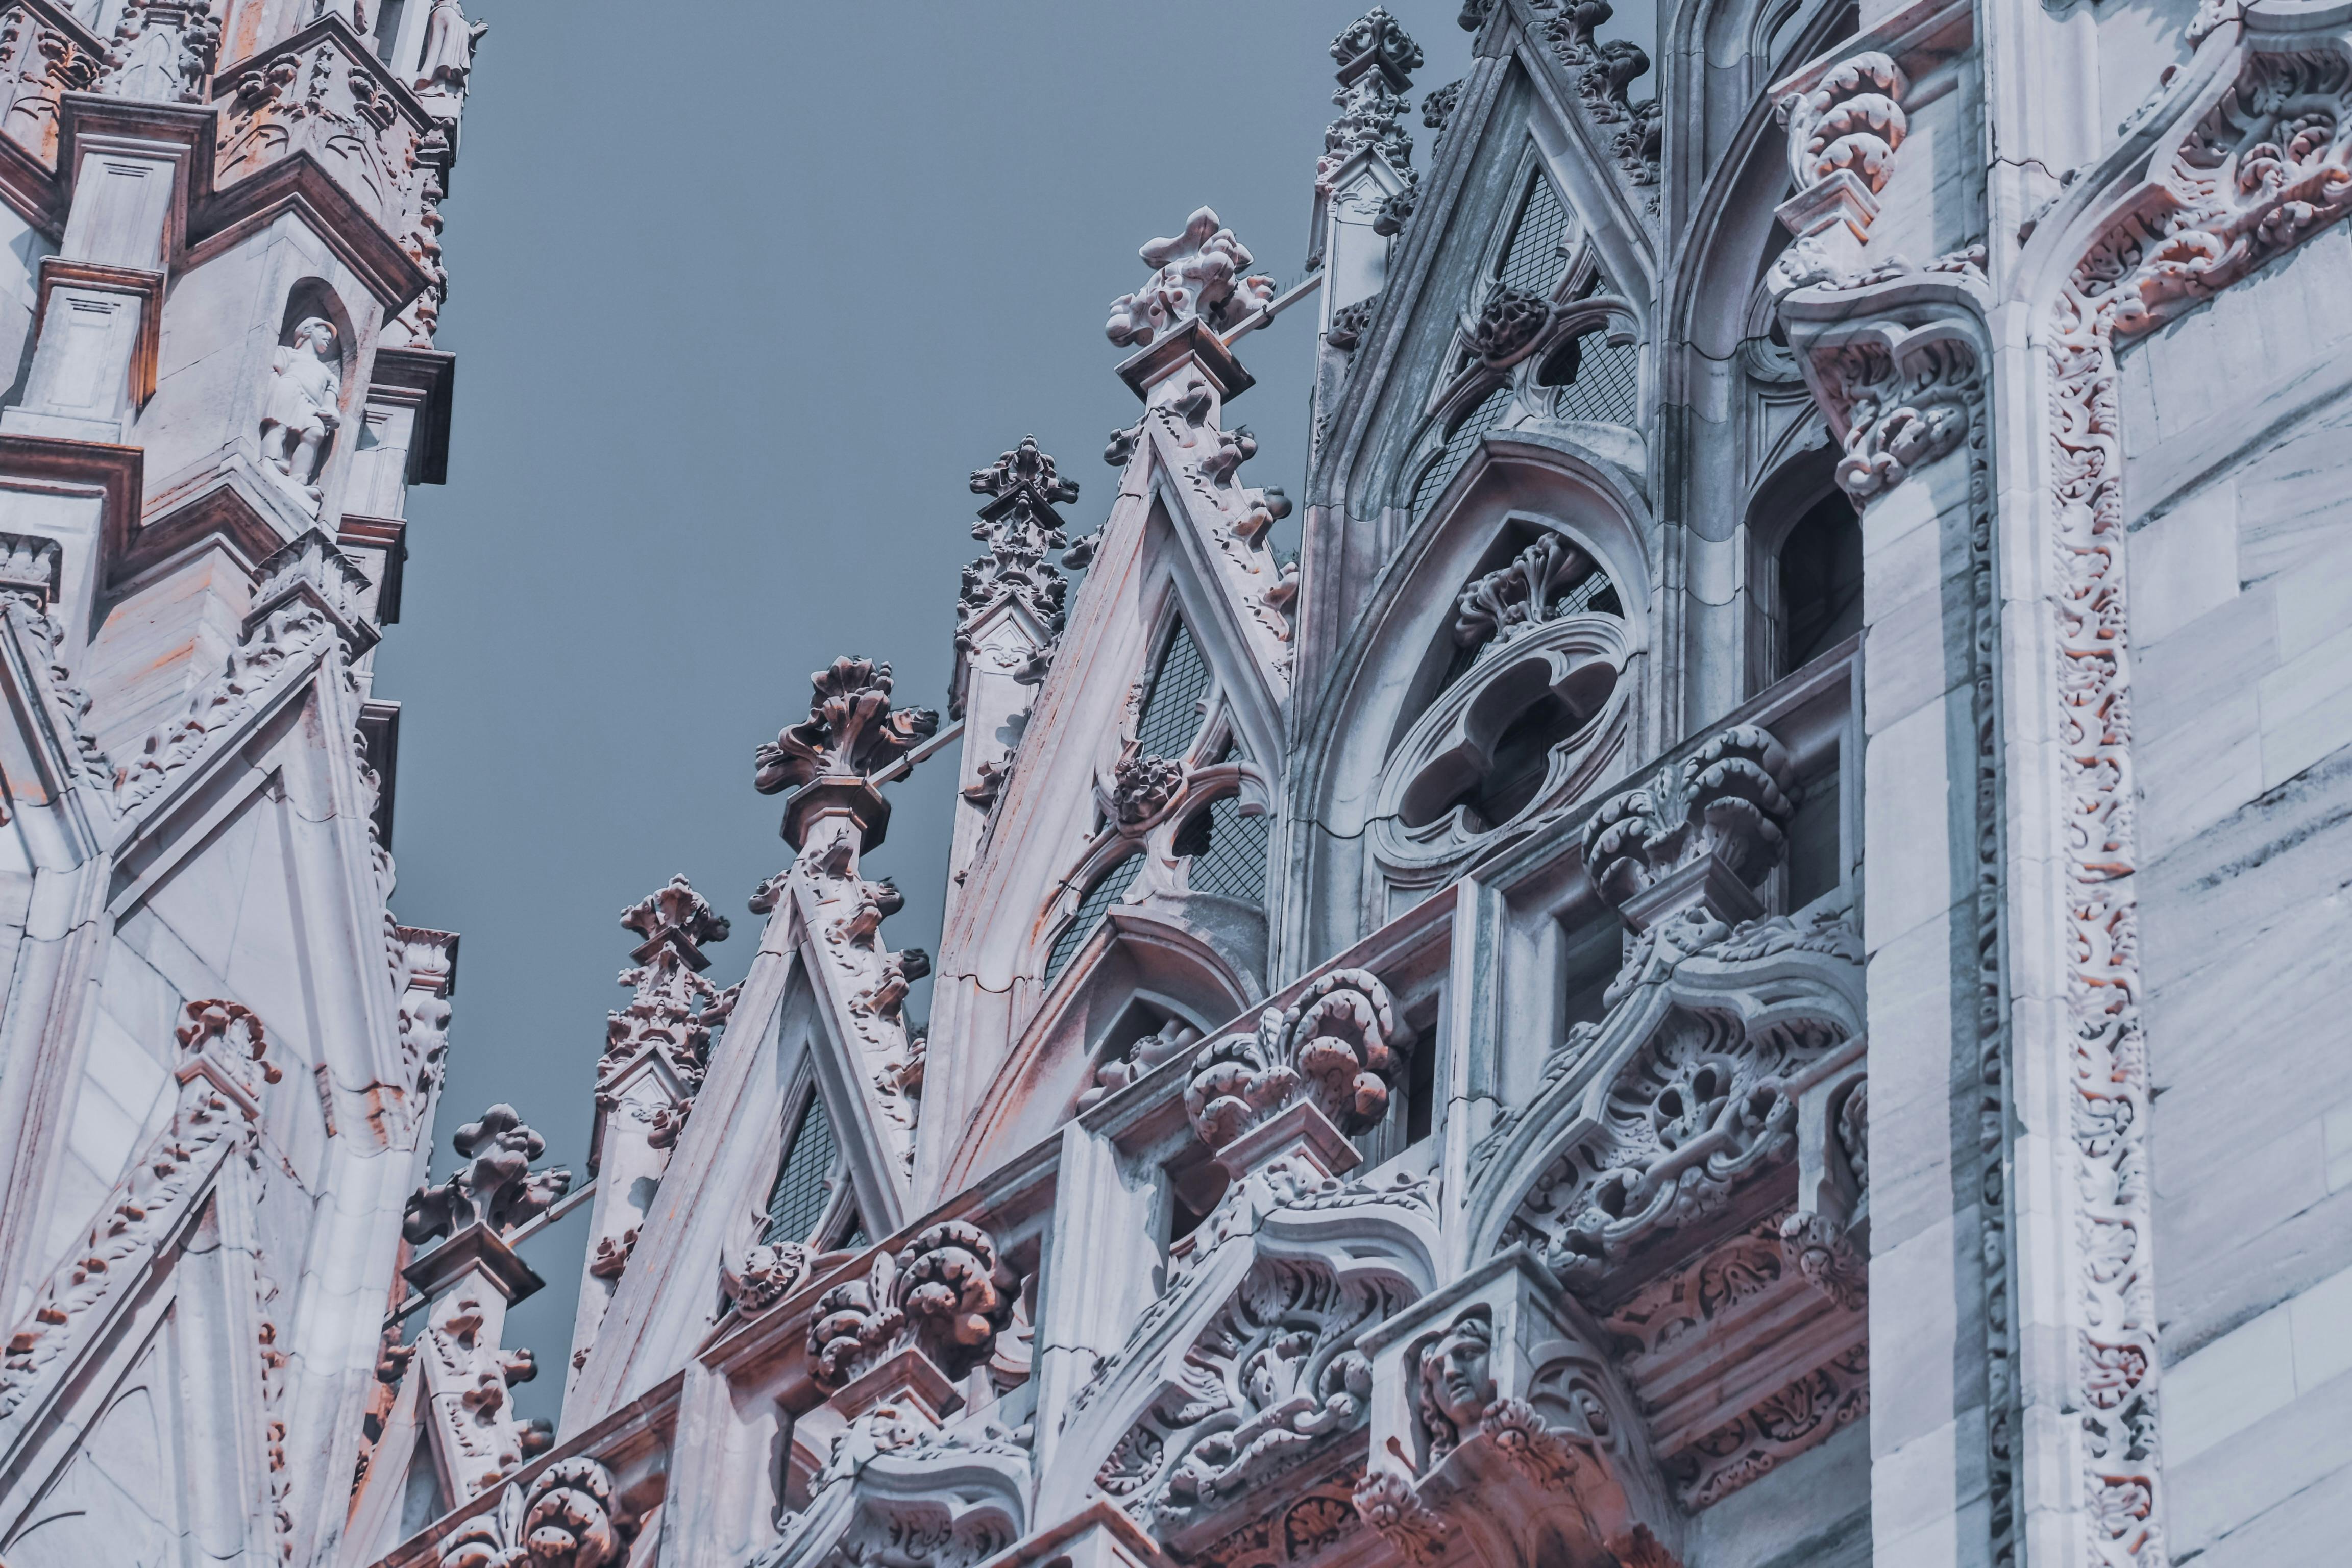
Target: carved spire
point(831, 757)
point(1376, 58)
point(496, 1186)
point(1019, 525)
point(673, 1009)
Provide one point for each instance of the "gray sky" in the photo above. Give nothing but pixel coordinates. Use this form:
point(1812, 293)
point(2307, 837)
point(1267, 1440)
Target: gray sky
point(741, 293)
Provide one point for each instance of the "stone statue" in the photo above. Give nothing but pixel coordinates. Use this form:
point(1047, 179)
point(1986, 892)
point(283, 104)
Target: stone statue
point(306, 390)
point(449, 45)
point(1455, 1383)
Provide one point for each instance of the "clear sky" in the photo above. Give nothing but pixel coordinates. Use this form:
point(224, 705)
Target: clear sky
point(742, 292)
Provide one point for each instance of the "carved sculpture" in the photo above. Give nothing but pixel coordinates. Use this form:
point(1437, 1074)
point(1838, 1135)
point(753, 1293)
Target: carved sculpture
point(1507, 326)
point(1438, 106)
point(946, 1293)
point(1851, 120)
point(1348, 322)
point(223, 1071)
point(1816, 1244)
point(446, 60)
point(1200, 274)
point(1170, 1041)
point(496, 1186)
point(1906, 401)
point(766, 1275)
point(304, 406)
point(162, 49)
point(564, 1520)
point(1728, 801)
point(1453, 1383)
point(1340, 1047)
point(1386, 1501)
point(1142, 787)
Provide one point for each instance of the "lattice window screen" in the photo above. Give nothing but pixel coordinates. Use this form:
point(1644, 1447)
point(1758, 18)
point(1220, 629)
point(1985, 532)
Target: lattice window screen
point(1228, 850)
point(1091, 909)
point(1171, 708)
point(798, 1200)
point(1458, 447)
point(1531, 260)
point(1607, 383)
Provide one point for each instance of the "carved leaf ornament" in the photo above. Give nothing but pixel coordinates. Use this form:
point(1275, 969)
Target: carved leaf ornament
point(1728, 799)
point(850, 733)
point(564, 1520)
point(946, 1292)
point(1339, 1047)
point(496, 1186)
point(1198, 274)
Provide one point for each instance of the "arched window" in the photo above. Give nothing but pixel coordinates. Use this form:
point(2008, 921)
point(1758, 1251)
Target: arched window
point(1092, 908)
point(1228, 848)
point(1459, 444)
point(1821, 582)
point(1172, 714)
point(811, 1171)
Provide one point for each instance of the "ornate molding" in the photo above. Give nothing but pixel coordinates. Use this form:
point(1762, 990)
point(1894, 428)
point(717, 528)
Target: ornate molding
point(1604, 74)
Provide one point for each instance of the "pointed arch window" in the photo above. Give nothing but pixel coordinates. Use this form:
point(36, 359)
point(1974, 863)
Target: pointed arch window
point(1459, 445)
point(812, 1167)
point(1228, 850)
point(1172, 711)
point(1092, 908)
point(1821, 581)
point(1531, 258)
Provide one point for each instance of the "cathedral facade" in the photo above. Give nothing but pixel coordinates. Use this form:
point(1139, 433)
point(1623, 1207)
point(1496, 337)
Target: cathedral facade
point(1699, 980)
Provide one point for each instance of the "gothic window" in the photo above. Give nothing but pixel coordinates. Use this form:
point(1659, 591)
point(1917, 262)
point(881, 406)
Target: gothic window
point(1596, 379)
point(1171, 713)
point(1228, 850)
point(1821, 582)
point(1092, 908)
point(1531, 258)
point(811, 1168)
point(1459, 444)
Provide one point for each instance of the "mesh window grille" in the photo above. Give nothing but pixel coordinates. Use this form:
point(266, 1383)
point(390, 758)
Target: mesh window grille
point(1091, 909)
point(1594, 593)
point(1458, 447)
point(1606, 384)
point(1532, 259)
point(1172, 710)
point(799, 1198)
point(1228, 850)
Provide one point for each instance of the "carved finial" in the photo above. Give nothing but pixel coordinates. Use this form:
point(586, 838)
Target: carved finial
point(1019, 525)
point(1376, 41)
point(1341, 1046)
point(1199, 274)
point(1376, 59)
point(496, 1186)
point(850, 735)
point(673, 1009)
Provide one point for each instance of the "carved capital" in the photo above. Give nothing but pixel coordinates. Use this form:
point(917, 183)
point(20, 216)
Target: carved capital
point(1904, 395)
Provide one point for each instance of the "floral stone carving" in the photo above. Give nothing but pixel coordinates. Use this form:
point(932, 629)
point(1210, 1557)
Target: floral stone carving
point(851, 734)
point(1339, 1047)
point(946, 1293)
point(1728, 802)
point(564, 1520)
point(1201, 274)
point(766, 1275)
point(496, 1186)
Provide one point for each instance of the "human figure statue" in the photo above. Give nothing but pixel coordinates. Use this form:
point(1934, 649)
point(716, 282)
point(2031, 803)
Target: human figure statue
point(1455, 1383)
point(448, 55)
point(306, 388)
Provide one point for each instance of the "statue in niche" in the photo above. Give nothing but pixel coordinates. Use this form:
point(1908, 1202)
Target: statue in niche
point(306, 390)
point(448, 53)
point(1455, 1383)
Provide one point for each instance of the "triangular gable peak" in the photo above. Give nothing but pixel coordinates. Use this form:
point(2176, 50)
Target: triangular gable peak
point(1118, 886)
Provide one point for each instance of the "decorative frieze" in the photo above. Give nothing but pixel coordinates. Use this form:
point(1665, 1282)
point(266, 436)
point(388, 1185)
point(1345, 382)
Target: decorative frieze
point(163, 50)
point(44, 53)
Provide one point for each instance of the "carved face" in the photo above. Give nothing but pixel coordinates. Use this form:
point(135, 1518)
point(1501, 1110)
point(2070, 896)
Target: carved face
point(318, 335)
point(1457, 1383)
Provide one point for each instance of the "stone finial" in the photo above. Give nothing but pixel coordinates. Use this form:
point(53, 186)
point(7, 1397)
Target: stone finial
point(946, 1293)
point(1377, 41)
point(496, 1186)
point(831, 757)
point(1019, 526)
point(1198, 275)
point(1339, 1047)
point(1705, 832)
point(672, 1008)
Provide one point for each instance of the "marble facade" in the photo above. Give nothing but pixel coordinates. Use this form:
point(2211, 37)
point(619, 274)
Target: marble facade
point(1697, 980)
